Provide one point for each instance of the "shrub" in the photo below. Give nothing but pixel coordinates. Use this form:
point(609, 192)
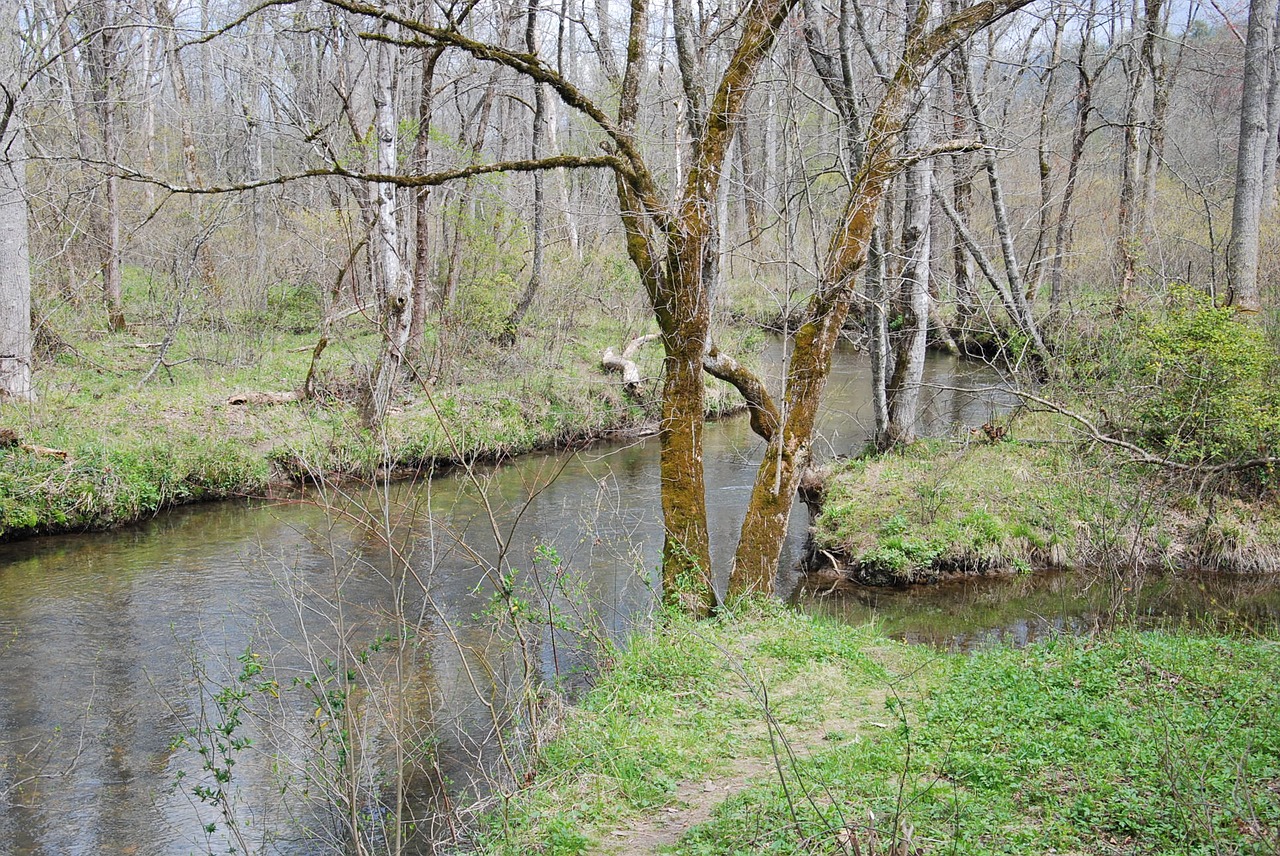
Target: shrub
point(1210, 382)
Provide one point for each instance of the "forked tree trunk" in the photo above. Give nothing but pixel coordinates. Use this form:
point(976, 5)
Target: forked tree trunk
point(788, 452)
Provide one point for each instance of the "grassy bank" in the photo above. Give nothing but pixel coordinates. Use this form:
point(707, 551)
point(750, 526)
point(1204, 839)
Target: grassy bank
point(1038, 498)
point(110, 441)
point(773, 733)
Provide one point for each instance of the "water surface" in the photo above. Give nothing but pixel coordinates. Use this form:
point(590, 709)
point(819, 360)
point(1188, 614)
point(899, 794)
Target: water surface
point(114, 646)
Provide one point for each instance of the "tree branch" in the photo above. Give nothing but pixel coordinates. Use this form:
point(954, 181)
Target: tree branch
point(765, 418)
point(1139, 454)
point(946, 147)
point(430, 179)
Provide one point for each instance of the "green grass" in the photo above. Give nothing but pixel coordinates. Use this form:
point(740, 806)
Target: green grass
point(134, 448)
point(1135, 743)
point(937, 507)
point(681, 704)
point(1146, 743)
point(1040, 498)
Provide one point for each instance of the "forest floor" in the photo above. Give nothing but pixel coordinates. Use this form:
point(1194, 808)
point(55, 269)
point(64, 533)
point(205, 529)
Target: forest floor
point(771, 732)
point(130, 423)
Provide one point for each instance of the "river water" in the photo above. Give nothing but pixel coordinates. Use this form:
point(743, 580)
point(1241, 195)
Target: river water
point(122, 653)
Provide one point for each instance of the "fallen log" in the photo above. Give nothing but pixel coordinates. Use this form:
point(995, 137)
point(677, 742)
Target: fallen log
point(624, 363)
point(10, 439)
point(266, 398)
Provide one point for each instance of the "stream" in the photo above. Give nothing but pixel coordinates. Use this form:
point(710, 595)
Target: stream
point(115, 647)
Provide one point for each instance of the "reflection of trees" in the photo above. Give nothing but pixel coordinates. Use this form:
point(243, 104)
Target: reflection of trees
point(971, 613)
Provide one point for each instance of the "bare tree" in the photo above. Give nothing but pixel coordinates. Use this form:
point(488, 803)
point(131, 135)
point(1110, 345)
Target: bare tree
point(1246, 213)
point(15, 265)
point(394, 291)
point(512, 325)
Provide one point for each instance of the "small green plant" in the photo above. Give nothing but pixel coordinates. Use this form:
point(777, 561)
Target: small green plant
point(220, 738)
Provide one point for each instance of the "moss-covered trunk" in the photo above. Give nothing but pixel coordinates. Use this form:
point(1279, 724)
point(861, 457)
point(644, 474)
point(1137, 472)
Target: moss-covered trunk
point(764, 528)
point(686, 549)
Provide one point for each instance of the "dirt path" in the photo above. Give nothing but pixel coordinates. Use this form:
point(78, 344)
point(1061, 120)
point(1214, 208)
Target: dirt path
point(694, 801)
point(692, 805)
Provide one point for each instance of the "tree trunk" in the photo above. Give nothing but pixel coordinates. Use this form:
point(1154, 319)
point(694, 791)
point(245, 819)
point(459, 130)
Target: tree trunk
point(82, 100)
point(512, 325)
point(1036, 263)
point(1130, 226)
point(1246, 212)
point(15, 263)
point(878, 333)
point(963, 171)
point(397, 309)
point(686, 550)
point(1079, 136)
point(903, 390)
point(205, 267)
point(102, 72)
point(1016, 300)
point(421, 203)
point(1271, 155)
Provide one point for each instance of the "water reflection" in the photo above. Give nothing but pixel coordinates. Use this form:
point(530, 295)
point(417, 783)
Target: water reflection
point(971, 614)
point(114, 646)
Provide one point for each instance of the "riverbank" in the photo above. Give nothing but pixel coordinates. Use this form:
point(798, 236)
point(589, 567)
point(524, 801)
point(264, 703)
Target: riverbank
point(1029, 493)
point(107, 444)
point(768, 731)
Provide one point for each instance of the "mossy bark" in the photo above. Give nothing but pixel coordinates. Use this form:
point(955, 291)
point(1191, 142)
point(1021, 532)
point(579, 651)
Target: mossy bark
point(764, 528)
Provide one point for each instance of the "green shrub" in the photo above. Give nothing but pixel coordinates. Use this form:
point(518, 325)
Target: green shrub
point(1209, 385)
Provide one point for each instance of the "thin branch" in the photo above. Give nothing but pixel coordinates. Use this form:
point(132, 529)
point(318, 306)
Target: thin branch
point(431, 179)
point(1139, 454)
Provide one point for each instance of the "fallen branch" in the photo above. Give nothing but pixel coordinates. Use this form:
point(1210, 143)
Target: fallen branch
point(10, 439)
point(624, 363)
point(266, 398)
point(164, 349)
point(34, 449)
